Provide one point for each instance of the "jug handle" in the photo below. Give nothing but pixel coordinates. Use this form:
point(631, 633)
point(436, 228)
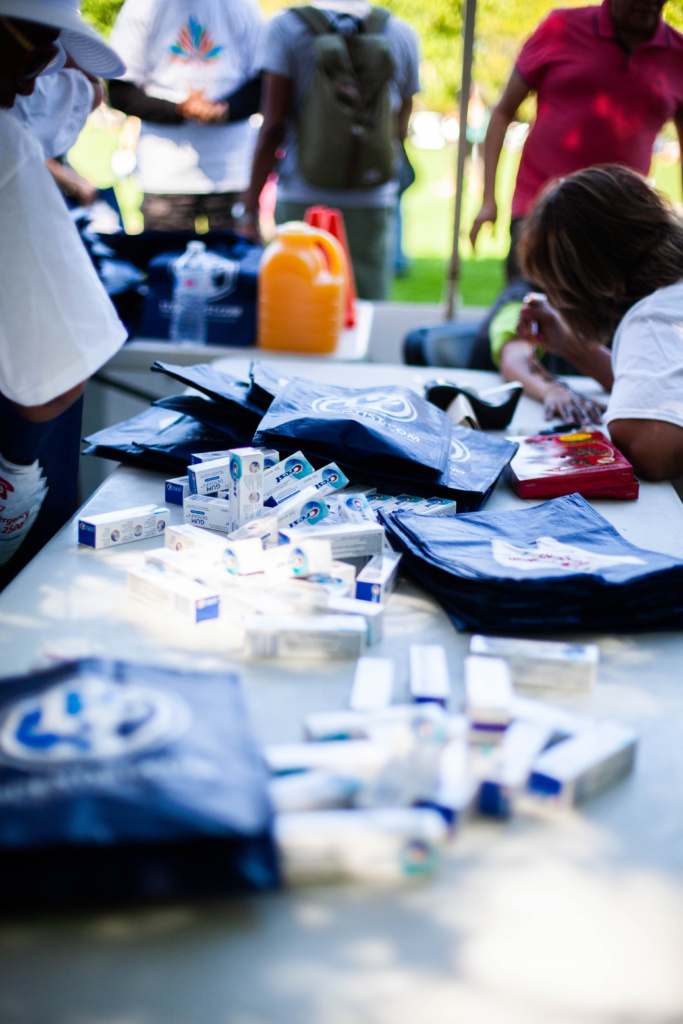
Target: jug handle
point(333, 252)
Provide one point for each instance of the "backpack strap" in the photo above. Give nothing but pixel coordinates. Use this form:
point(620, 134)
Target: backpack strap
point(376, 20)
point(314, 18)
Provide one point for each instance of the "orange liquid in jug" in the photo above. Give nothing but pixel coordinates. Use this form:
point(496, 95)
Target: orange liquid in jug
point(301, 290)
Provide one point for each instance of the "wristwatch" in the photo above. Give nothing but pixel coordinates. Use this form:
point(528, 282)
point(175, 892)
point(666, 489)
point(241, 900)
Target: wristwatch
point(240, 212)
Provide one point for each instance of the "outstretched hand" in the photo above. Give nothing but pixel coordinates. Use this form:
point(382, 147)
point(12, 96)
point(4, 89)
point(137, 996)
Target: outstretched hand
point(563, 403)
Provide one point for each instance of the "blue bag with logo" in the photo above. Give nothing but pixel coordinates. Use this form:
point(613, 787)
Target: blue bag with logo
point(121, 782)
point(265, 384)
point(555, 566)
point(231, 394)
point(384, 429)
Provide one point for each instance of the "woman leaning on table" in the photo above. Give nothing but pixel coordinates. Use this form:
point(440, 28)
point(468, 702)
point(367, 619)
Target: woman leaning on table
point(607, 250)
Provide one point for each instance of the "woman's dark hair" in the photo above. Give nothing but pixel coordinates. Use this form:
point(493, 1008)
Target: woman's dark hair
point(597, 242)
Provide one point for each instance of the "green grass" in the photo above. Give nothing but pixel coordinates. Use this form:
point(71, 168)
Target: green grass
point(427, 209)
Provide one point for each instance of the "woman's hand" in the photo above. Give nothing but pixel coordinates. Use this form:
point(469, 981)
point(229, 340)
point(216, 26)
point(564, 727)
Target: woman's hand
point(563, 403)
point(542, 325)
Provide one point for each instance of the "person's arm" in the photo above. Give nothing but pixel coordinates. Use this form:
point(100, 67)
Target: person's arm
point(502, 115)
point(541, 325)
point(404, 117)
point(518, 362)
point(50, 410)
point(654, 448)
point(133, 101)
point(276, 103)
point(71, 183)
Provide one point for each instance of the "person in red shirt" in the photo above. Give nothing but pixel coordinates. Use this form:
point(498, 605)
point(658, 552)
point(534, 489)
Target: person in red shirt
point(607, 79)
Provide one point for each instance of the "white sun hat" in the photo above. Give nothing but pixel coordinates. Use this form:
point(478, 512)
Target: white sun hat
point(82, 42)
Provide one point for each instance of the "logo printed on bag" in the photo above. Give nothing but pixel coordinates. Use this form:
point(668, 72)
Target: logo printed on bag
point(392, 407)
point(554, 554)
point(459, 452)
point(90, 719)
point(5, 488)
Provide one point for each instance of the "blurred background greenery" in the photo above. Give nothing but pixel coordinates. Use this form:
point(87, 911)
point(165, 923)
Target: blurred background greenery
point(427, 206)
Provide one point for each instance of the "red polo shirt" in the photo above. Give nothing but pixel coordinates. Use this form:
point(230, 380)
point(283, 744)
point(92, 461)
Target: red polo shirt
point(597, 103)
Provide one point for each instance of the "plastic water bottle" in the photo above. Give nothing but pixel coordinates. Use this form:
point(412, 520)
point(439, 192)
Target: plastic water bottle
point(192, 285)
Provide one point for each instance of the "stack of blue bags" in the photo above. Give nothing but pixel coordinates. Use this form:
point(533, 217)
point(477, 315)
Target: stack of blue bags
point(386, 437)
point(556, 566)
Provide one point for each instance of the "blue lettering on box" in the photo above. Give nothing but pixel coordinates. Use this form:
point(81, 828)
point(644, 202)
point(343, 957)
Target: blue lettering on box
point(86, 534)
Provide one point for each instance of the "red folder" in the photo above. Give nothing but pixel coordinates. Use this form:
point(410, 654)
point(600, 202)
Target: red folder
point(585, 462)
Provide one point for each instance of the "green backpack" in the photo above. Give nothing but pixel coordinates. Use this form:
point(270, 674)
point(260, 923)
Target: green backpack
point(346, 126)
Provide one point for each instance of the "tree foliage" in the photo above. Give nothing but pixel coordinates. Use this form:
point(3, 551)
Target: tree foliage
point(501, 26)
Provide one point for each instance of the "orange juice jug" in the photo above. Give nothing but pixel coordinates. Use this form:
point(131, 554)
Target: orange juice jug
point(301, 290)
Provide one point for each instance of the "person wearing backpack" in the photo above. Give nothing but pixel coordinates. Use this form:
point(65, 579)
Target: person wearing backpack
point(339, 78)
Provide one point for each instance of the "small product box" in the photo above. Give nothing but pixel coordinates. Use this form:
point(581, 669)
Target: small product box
point(305, 636)
point(271, 457)
point(212, 478)
point(543, 664)
point(172, 593)
point(354, 508)
point(429, 678)
point(128, 524)
point(310, 556)
point(265, 526)
point(373, 684)
point(198, 457)
point(327, 480)
point(314, 790)
point(177, 489)
point(344, 571)
point(584, 765)
point(286, 477)
point(207, 513)
point(246, 485)
point(489, 695)
point(349, 540)
point(352, 757)
point(352, 724)
point(305, 508)
point(372, 614)
point(207, 547)
point(509, 773)
point(438, 507)
point(377, 580)
point(244, 557)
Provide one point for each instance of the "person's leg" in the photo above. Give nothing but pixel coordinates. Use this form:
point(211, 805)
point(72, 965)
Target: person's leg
point(217, 208)
point(170, 212)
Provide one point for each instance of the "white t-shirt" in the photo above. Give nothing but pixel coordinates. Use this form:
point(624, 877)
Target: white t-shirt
point(647, 360)
point(56, 110)
point(172, 47)
point(57, 324)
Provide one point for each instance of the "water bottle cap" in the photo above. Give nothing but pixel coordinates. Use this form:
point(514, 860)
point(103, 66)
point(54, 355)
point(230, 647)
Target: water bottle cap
point(196, 246)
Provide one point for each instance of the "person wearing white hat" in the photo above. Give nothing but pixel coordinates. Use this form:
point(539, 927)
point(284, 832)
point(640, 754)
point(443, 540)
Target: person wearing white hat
point(57, 324)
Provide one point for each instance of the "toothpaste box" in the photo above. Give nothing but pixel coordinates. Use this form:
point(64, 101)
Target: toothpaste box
point(373, 684)
point(373, 614)
point(245, 556)
point(305, 508)
point(438, 507)
point(184, 564)
point(265, 526)
point(198, 457)
point(377, 580)
point(543, 663)
point(177, 489)
point(507, 772)
point(354, 508)
point(349, 540)
point(305, 636)
point(311, 556)
point(285, 478)
point(584, 765)
point(489, 695)
point(128, 524)
point(173, 593)
point(207, 513)
point(246, 485)
point(212, 477)
point(429, 678)
point(328, 479)
point(200, 543)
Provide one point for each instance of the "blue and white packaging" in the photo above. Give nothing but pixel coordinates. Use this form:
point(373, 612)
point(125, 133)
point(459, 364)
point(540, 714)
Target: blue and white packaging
point(198, 457)
point(543, 664)
point(265, 526)
point(314, 790)
point(211, 477)
point(354, 508)
point(488, 695)
point(244, 557)
point(373, 684)
point(311, 556)
point(177, 489)
point(285, 477)
point(438, 507)
point(349, 540)
point(510, 767)
point(201, 544)
point(207, 513)
point(306, 508)
point(173, 594)
point(246, 485)
point(128, 524)
point(371, 613)
point(327, 480)
point(377, 580)
point(429, 676)
point(305, 636)
point(584, 765)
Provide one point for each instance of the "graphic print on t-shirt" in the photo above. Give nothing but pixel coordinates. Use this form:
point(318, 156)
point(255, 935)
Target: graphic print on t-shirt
point(195, 43)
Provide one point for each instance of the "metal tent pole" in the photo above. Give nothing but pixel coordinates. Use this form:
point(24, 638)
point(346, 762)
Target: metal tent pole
point(468, 47)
